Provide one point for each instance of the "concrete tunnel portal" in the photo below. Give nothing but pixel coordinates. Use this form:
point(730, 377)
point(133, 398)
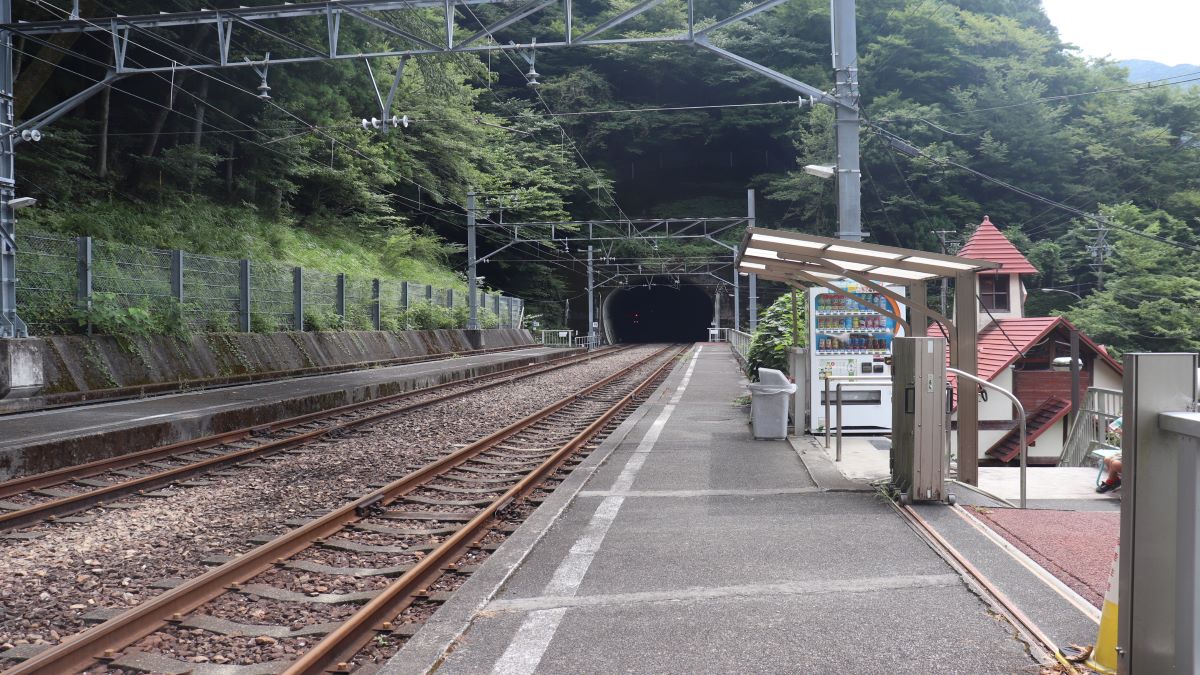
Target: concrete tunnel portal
point(658, 312)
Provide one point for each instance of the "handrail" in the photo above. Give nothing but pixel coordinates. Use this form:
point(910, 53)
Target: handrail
point(1020, 413)
point(860, 383)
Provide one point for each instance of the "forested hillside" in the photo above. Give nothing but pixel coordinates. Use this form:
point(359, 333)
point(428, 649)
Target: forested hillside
point(200, 162)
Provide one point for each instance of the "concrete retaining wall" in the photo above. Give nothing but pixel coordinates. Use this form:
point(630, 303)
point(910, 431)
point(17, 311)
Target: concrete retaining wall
point(81, 368)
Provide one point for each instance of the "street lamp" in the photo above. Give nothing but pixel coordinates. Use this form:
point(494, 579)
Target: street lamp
point(825, 171)
point(1060, 290)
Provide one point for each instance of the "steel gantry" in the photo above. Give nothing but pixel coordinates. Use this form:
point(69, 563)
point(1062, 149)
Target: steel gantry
point(652, 230)
point(271, 22)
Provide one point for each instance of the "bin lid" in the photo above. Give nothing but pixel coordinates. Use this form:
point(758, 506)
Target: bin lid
point(771, 381)
point(772, 376)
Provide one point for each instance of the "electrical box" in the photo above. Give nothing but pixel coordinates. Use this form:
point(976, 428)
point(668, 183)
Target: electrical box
point(919, 418)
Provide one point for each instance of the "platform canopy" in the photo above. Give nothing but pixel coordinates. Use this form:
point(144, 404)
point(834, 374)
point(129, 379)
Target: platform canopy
point(791, 256)
point(795, 258)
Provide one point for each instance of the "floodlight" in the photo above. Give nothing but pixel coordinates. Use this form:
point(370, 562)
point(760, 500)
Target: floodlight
point(22, 202)
point(821, 170)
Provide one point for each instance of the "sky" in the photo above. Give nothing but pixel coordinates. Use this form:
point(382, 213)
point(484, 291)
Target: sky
point(1167, 31)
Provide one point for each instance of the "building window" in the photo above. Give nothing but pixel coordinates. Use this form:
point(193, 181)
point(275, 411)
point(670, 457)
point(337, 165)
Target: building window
point(993, 292)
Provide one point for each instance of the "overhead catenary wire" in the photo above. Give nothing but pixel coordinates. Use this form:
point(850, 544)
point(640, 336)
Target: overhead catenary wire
point(418, 207)
point(1032, 195)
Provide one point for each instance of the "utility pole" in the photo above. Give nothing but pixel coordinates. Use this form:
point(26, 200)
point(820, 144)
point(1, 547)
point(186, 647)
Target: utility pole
point(737, 300)
point(11, 325)
point(591, 330)
point(949, 246)
point(472, 263)
point(1099, 250)
point(845, 91)
point(750, 221)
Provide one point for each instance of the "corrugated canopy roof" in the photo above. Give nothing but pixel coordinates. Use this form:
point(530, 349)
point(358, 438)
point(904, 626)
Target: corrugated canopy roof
point(779, 254)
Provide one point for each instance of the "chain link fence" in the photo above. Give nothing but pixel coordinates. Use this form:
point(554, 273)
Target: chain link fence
point(63, 281)
point(46, 292)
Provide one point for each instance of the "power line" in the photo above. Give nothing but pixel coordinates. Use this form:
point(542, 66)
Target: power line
point(911, 148)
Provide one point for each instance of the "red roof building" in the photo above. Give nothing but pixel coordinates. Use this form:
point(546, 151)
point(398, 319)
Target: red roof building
point(989, 243)
point(1017, 353)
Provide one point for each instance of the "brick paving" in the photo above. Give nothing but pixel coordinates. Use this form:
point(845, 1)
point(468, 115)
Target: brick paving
point(1075, 546)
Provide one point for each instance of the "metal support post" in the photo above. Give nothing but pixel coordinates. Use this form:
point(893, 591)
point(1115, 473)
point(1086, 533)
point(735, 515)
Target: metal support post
point(751, 221)
point(964, 358)
point(737, 300)
point(429, 294)
point(450, 298)
point(1159, 597)
point(376, 313)
point(845, 91)
point(472, 280)
point(339, 298)
point(298, 298)
point(404, 295)
point(176, 275)
point(753, 302)
point(1075, 386)
point(83, 273)
point(918, 293)
point(244, 295)
point(591, 289)
point(11, 325)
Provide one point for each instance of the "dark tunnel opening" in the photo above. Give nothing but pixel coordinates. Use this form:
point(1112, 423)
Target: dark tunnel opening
point(659, 313)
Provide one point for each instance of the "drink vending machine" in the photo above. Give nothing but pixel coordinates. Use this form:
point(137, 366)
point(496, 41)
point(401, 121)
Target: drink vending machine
point(849, 343)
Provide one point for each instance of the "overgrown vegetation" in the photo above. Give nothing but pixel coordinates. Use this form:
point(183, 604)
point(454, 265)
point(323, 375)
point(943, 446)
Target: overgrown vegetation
point(776, 333)
point(989, 85)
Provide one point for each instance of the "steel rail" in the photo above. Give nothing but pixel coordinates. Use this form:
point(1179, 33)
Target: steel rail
point(1025, 627)
point(75, 472)
point(339, 646)
point(102, 641)
point(64, 505)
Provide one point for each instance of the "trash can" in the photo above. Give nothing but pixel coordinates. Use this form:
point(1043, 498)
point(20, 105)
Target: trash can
point(769, 401)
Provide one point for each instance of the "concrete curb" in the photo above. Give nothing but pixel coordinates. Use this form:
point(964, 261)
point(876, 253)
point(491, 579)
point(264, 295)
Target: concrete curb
point(821, 469)
point(424, 652)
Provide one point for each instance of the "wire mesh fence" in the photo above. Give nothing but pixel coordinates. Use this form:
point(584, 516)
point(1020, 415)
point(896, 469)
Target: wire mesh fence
point(46, 286)
point(212, 293)
point(272, 297)
point(135, 276)
point(61, 281)
point(360, 303)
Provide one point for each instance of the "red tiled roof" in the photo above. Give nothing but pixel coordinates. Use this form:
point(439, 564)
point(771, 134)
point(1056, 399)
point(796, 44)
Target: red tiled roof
point(995, 348)
point(988, 243)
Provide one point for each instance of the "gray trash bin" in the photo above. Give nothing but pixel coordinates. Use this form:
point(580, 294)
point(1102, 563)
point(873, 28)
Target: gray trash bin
point(770, 399)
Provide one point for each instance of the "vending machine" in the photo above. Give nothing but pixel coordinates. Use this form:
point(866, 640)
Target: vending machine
point(850, 343)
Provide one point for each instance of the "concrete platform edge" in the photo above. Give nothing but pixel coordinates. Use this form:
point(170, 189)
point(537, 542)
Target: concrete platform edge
point(822, 471)
point(425, 651)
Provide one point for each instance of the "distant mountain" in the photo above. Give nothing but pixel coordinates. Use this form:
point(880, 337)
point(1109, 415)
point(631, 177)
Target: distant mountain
point(1145, 71)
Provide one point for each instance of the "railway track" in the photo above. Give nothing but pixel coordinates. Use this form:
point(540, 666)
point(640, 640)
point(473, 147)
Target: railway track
point(403, 544)
point(51, 495)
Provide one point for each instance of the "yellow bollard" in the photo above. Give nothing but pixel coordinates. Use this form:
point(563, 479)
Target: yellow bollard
point(1104, 655)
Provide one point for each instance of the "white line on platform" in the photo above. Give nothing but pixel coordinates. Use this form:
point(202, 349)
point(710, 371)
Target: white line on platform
point(525, 652)
point(765, 492)
point(549, 603)
point(1073, 598)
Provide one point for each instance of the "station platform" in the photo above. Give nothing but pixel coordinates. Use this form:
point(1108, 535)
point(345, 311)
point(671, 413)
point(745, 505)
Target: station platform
point(681, 545)
point(45, 440)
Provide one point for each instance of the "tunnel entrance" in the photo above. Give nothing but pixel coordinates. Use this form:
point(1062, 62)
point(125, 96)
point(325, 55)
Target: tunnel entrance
point(658, 313)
